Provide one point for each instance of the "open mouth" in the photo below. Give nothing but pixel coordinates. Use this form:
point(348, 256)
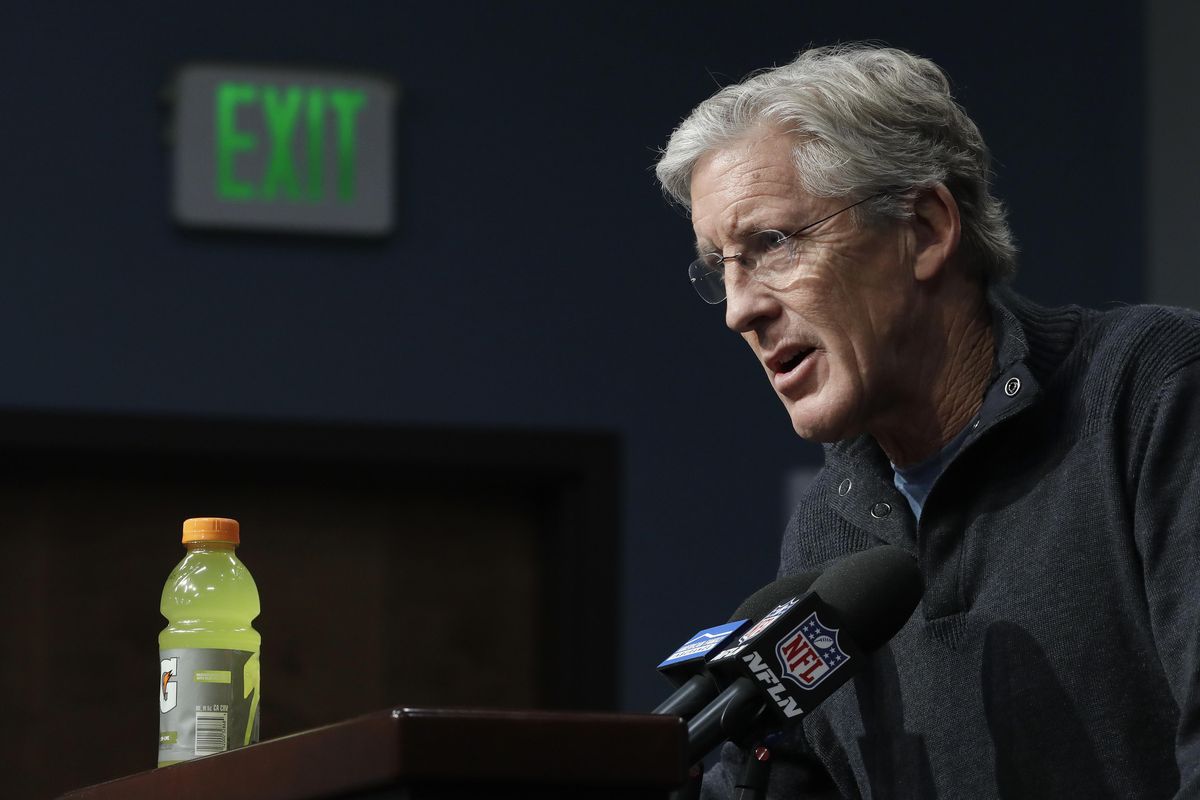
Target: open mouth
point(793, 362)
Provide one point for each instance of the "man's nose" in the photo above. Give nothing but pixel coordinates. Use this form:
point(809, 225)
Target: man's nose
point(747, 301)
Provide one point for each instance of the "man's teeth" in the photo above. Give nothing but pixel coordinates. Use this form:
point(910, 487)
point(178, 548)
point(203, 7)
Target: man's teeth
point(794, 361)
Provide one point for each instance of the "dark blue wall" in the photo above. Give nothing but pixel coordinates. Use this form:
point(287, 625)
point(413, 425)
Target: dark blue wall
point(537, 277)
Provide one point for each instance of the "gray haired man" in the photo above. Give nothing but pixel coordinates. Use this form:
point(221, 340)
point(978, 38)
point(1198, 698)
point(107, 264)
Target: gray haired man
point(1040, 464)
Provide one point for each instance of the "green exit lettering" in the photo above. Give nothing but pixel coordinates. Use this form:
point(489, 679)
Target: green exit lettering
point(285, 111)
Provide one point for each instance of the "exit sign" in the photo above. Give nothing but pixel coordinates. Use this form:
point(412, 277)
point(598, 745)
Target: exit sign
point(285, 150)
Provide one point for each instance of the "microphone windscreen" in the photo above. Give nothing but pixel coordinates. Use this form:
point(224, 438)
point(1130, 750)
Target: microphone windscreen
point(756, 606)
point(874, 591)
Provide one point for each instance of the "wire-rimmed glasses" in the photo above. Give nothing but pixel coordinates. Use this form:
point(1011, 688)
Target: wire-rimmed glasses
point(767, 256)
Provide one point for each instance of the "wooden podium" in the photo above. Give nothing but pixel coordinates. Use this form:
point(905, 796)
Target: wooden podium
point(418, 754)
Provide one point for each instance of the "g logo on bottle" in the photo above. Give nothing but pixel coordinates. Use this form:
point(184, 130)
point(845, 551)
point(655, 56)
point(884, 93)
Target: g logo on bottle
point(169, 694)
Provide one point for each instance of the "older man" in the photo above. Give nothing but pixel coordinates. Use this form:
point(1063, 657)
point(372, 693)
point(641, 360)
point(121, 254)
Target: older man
point(1040, 464)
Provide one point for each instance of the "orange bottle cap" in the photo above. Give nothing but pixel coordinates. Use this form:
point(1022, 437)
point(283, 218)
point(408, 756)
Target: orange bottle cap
point(211, 529)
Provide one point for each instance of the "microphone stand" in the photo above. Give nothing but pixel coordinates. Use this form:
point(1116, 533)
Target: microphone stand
point(755, 775)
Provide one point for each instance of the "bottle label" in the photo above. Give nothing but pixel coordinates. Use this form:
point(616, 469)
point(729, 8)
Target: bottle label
point(207, 702)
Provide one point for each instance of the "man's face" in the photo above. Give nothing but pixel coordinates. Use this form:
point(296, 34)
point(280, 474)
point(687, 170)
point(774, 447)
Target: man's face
point(831, 335)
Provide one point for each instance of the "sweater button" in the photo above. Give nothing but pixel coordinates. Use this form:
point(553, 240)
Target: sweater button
point(844, 487)
point(1012, 386)
point(880, 510)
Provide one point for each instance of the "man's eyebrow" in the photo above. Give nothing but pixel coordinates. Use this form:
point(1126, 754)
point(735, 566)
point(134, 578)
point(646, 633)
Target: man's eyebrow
point(704, 246)
point(741, 233)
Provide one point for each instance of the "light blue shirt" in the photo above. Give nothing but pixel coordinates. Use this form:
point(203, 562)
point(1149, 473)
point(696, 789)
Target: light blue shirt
point(915, 482)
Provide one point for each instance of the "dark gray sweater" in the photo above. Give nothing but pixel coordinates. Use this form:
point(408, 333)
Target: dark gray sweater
point(1056, 651)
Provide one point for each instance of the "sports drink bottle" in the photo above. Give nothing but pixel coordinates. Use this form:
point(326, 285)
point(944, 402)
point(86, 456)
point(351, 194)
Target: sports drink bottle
point(209, 681)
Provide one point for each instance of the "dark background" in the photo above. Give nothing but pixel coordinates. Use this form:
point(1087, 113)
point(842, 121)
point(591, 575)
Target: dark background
point(536, 276)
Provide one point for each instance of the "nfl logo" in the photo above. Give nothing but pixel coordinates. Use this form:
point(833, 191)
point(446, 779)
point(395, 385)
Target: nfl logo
point(768, 620)
point(810, 653)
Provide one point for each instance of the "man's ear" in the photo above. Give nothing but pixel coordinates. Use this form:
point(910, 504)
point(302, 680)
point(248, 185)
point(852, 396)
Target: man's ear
point(936, 224)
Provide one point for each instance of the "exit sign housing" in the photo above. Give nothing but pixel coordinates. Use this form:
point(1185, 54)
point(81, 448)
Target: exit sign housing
point(267, 148)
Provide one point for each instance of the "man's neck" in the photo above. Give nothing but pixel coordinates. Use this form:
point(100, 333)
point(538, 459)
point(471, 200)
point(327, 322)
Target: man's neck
point(948, 389)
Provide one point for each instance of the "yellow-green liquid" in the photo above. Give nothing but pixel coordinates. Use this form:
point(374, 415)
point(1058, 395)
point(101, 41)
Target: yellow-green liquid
point(210, 600)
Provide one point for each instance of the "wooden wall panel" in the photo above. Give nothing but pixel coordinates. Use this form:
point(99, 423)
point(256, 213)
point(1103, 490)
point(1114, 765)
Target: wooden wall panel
point(383, 582)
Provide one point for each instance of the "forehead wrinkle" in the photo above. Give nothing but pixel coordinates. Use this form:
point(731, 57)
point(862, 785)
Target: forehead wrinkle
point(748, 215)
point(754, 191)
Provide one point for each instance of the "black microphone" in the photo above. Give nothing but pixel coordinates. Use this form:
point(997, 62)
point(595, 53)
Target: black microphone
point(806, 647)
point(686, 666)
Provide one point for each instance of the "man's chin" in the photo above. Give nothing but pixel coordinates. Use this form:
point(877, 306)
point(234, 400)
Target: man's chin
point(818, 428)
